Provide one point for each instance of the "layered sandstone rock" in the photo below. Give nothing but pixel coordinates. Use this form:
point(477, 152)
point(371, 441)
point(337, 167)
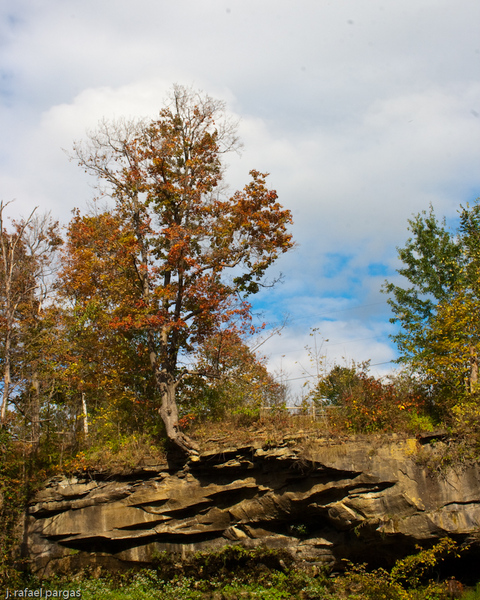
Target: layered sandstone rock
point(322, 500)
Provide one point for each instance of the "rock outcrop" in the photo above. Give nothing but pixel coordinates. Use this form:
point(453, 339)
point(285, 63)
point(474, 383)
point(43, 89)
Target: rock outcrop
point(322, 500)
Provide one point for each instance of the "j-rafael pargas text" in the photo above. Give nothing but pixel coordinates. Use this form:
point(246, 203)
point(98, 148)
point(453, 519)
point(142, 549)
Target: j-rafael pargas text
point(41, 593)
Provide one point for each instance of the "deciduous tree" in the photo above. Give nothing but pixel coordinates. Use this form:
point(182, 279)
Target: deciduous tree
point(26, 265)
point(430, 269)
point(184, 248)
point(17, 285)
point(440, 334)
point(103, 366)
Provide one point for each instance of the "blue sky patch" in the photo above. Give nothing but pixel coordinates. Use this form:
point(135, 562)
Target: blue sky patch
point(377, 269)
point(335, 263)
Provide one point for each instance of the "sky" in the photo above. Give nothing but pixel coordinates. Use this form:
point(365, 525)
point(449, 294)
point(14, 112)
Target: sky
point(364, 112)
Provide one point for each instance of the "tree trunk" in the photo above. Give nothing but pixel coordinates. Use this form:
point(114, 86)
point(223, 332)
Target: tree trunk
point(6, 378)
point(85, 416)
point(167, 386)
point(169, 413)
point(473, 369)
point(35, 412)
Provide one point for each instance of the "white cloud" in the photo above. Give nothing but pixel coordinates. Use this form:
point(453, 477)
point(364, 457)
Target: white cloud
point(300, 354)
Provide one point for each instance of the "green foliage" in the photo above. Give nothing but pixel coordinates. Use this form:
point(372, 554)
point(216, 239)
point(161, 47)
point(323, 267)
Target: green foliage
point(421, 422)
point(409, 579)
point(472, 594)
point(440, 334)
point(430, 258)
point(236, 572)
point(336, 384)
point(359, 583)
point(229, 573)
point(231, 561)
point(414, 569)
point(142, 585)
point(18, 478)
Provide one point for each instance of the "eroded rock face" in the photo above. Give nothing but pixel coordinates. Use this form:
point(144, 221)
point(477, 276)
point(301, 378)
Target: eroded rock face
point(321, 500)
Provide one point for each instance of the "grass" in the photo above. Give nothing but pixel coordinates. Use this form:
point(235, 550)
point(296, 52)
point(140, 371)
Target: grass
point(473, 594)
point(124, 453)
point(292, 585)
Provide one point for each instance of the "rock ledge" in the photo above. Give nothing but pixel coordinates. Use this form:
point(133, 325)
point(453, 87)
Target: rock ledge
point(323, 501)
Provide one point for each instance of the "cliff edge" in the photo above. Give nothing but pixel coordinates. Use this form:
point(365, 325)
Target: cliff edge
point(322, 500)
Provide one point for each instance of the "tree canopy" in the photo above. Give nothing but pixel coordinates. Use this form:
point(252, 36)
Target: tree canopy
point(27, 253)
point(176, 257)
point(440, 334)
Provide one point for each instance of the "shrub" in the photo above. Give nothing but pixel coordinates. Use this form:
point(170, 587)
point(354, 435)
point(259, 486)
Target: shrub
point(361, 584)
point(368, 404)
point(414, 569)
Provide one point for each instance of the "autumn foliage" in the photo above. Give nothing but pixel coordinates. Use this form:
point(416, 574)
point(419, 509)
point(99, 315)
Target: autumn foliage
point(118, 339)
point(371, 404)
point(139, 319)
point(171, 264)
